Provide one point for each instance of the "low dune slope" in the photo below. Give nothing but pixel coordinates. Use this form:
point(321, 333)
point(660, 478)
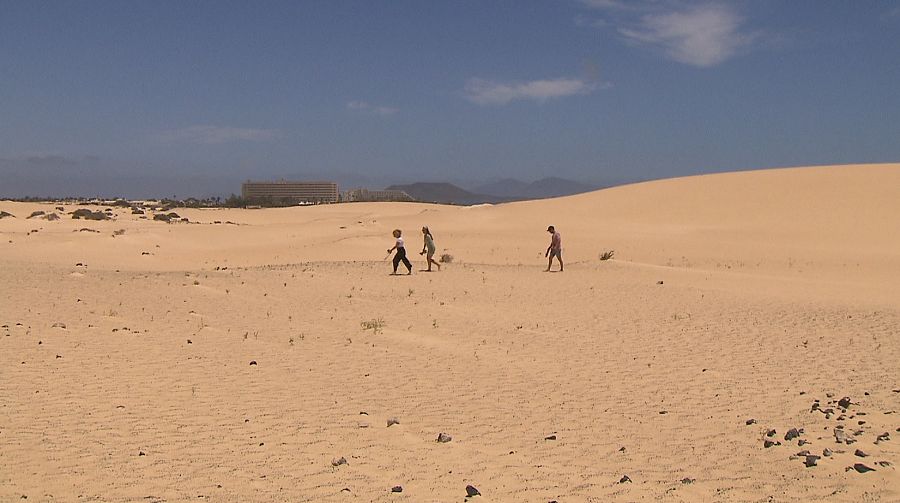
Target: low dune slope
point(829, 224)
point(742, 345)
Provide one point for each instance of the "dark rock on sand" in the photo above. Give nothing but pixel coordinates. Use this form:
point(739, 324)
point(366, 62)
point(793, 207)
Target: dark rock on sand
point(624, 479)
point(253, 362)
point(860, 453)
point(861, 468)
point(770, 433)
point(844, 402)
point(792, 434)
point(750, 421)
point(339, 461)
point(443, 438)
point(550, 437)
point(472, 491)
point(397, 489)
point(392, 421)
point(4, 214)
point(811, 460)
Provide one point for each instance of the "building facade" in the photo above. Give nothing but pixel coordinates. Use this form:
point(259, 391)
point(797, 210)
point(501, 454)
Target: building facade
point(290, 192)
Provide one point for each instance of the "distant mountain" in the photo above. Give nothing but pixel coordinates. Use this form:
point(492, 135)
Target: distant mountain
point(547, 187)
point(445, 193)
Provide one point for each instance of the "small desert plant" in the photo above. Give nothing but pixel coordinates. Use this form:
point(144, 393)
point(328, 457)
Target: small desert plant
point(446, 258)
point(607, 255)
point(375, 325)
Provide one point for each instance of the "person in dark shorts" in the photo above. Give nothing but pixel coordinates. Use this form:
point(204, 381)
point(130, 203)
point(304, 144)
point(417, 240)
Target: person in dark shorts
point(400, 256)
point(429, 247)
point(554, 250)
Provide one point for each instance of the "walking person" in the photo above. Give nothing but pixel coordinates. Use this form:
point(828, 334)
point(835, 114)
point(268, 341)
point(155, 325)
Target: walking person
point(400, 256)
point(430, 248)
point(554, 250)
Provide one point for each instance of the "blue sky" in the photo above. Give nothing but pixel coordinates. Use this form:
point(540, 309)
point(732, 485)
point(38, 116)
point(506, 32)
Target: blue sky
point(191, 97)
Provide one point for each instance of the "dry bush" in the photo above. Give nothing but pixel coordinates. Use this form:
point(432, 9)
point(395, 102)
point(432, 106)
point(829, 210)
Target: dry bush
point(375, 325)
point(607, 255)
point(446, 258)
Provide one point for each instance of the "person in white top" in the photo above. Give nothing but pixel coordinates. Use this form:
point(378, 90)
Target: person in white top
point(401, 252)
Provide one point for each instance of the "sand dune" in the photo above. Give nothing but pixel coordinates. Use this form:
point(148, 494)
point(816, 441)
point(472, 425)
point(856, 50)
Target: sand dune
point(766, 295)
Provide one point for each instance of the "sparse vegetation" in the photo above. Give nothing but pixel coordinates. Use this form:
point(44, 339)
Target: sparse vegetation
point(375, 325)
point(607, 255)
point(89, 215)
point(446, 258)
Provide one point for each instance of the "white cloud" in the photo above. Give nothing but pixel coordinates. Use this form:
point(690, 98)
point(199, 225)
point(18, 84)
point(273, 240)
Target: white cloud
point(605, 4)
point(362, 106)
point(487, 92)
point(703, 36)
point(215, 135)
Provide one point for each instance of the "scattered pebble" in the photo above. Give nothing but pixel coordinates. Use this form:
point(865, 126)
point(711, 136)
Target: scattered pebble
point(688, 480)
point(253, 362)
point(443, 438)
point(750, 421)
point(791, 434)
point(471, 491)
point(624, 479)
point(861, 468)
point(392, 421)
point(770, 433)
point(550, 437)
point(811, 460)
point(827, 452)
point(397, 489)
point(844, 402)
point(339, 461)
point(860, 453)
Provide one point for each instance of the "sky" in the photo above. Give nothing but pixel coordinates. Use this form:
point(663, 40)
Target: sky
point(189, 97)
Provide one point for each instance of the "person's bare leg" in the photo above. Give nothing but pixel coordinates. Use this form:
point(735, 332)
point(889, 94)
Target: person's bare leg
point(549, 263)
point(559, 257)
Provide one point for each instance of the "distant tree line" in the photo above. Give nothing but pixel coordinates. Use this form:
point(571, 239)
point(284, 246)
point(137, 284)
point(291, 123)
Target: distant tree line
point(232, 201)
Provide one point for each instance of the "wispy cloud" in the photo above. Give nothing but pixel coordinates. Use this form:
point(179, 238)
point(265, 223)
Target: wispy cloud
point(365, 107)
point(488, 92)
point(215, 135)
point(698, 35)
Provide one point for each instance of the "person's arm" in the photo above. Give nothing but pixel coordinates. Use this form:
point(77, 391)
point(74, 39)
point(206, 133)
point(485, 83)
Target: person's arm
point(392, 249)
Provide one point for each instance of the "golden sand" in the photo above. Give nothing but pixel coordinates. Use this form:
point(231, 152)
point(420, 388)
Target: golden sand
point(730, 297)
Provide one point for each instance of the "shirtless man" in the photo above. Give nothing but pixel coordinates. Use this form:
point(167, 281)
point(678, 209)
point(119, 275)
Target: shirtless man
point(554, 250)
